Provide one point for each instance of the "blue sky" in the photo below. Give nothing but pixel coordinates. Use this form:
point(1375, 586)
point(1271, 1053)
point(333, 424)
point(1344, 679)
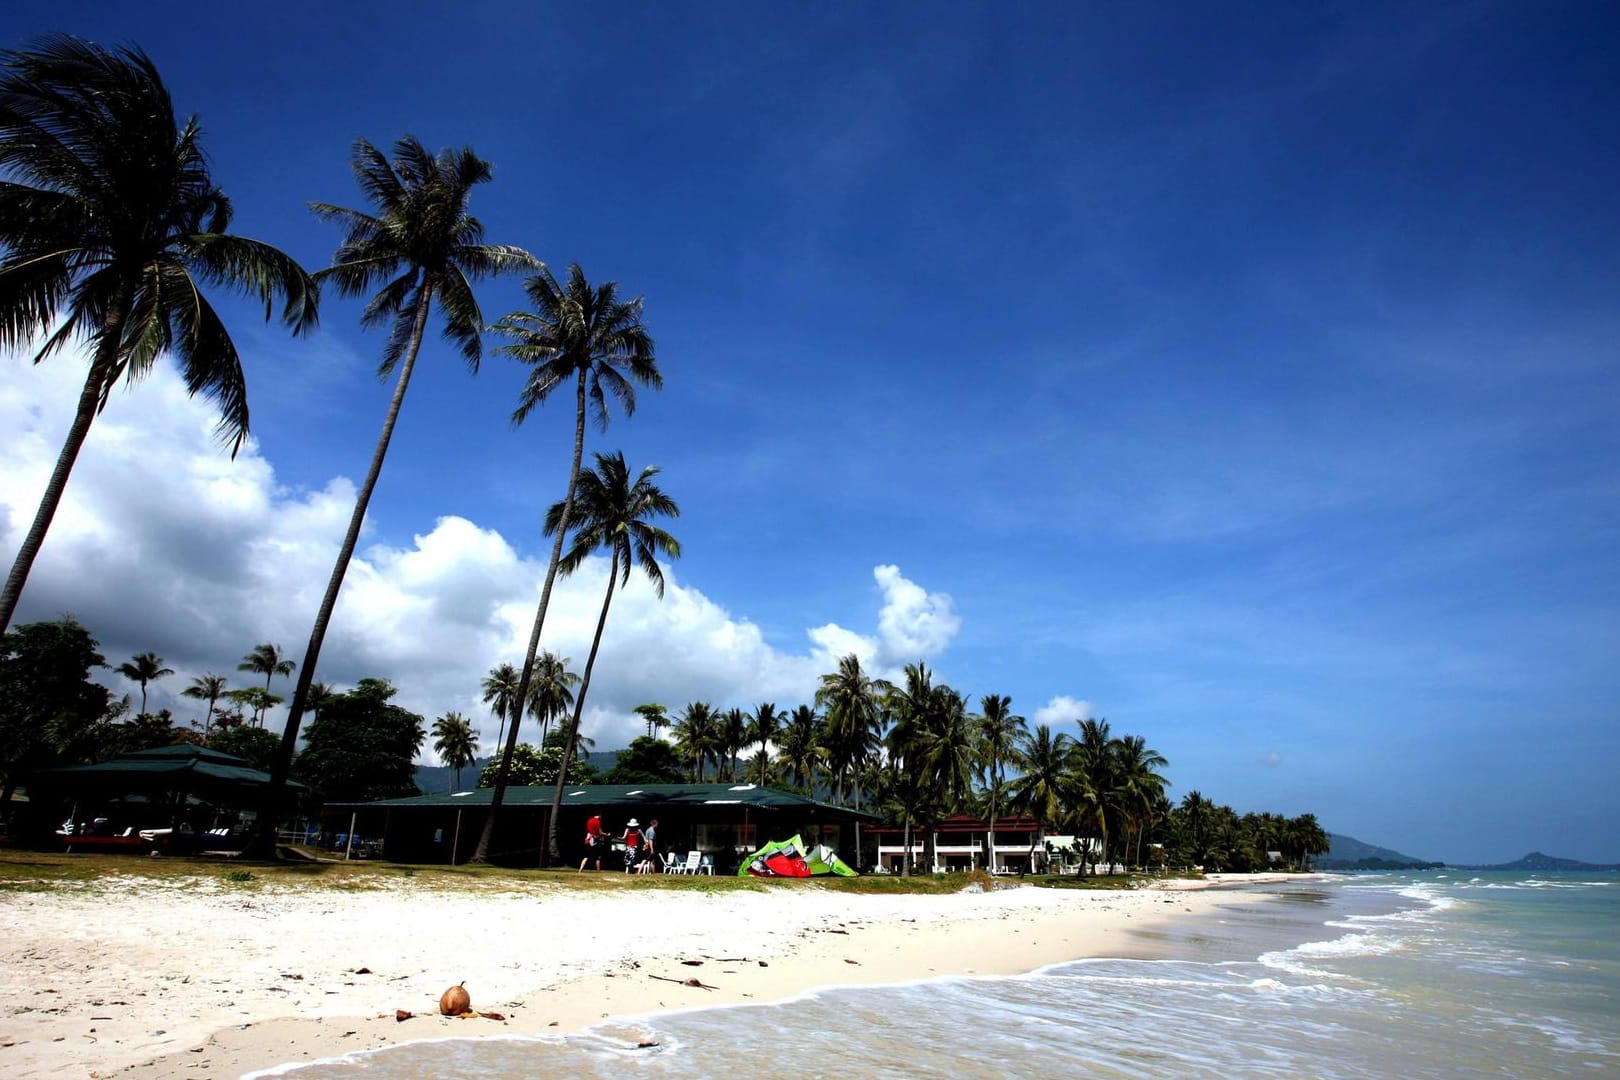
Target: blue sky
point(1245, 377)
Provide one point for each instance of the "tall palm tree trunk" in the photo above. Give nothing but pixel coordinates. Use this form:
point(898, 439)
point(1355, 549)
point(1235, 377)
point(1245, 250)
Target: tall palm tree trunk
point(553, 851)
point(498, 795)
point(264, 843)
point(89, 401)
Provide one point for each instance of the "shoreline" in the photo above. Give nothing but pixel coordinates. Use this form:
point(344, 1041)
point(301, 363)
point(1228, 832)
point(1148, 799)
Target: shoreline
point(192, 978)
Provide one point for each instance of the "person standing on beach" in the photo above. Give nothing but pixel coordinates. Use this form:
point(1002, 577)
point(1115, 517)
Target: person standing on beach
point(649, 853)
point(632, 844)
point(594, 842)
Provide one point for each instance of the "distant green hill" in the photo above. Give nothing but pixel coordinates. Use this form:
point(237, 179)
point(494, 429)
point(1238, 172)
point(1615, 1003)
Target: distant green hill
point(1537, 861)
point(1348, 853)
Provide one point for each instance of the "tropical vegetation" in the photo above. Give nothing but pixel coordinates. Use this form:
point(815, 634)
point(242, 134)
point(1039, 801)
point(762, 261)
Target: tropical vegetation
point(110, 226)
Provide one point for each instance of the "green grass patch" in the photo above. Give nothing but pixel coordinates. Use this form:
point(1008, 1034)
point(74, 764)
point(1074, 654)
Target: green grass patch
point(36, 872)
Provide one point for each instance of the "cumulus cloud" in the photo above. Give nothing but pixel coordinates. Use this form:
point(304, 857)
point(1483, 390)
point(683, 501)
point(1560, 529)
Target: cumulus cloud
point(164, 543)
point(913, 624)
point(1271, 760)
point(1063, 709)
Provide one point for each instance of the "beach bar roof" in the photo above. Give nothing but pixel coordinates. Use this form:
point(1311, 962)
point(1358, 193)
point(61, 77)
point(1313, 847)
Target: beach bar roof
point(631, 799)
point(184, 767)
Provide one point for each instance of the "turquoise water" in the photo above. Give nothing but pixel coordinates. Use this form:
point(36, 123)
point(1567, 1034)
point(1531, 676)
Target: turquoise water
point(1419, 975)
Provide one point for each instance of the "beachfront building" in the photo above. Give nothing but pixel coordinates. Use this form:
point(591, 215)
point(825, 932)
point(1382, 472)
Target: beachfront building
point(723, 821)
point(963, 842)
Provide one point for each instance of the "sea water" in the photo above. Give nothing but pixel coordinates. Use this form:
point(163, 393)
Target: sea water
point(1443, 974)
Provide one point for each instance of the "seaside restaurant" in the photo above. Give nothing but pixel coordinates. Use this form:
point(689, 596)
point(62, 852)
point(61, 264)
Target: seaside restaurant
point(724, 821)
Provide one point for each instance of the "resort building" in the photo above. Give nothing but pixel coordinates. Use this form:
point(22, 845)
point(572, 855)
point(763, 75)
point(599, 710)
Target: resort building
point(724, 821)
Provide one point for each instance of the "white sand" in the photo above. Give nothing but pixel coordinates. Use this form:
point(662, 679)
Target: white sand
point(197, 977)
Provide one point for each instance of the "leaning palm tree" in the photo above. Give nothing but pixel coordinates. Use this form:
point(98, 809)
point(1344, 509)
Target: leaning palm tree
point(206, 688)
point(456, 743)
point(423, 249)
point(613, 513)
point(144, 668)
point(110, 224)
point(592, 339)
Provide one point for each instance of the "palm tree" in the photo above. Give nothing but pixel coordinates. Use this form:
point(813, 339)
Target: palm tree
point(1099, 780)
point(590, 338)
point(763, 730)
point(206, 688)
point(799, 749)
point(910, 705)
point(456, 743)
point(1141, 786)
point(733, 737)
point(947, 751)
point(320, 696)
point(852, 702)
point(695, 736)
point(552, 691)
point(268, 660)
point(655, 715)
point(1049, 763)
point(500, 693)
point(422, 247)
point(110, 224)
point(1194, 806)
point(144, 668)
point(613, 513)
point(1000, 733)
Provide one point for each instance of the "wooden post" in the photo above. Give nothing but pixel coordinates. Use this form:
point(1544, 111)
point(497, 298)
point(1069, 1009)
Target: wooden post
point(349, 847)
point(456, 839)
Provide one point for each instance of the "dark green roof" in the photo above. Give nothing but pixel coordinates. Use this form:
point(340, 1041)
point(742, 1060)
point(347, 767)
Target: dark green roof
point(182, 766)
point(625, 797)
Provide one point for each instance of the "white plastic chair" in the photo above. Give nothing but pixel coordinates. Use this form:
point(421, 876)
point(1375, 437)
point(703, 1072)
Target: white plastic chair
point(675, 863)
point(694, 859)
point(705, 865)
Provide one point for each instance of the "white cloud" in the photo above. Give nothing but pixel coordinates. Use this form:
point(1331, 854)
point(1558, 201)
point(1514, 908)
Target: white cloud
point(1063, 709)
point(1271, 760)
point(913, 624)
point(164, 543)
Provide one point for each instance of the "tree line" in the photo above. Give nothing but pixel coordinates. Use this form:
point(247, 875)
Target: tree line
point(914, 752)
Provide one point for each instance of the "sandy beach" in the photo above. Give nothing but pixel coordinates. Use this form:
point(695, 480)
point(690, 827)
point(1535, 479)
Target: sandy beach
point(200, 977)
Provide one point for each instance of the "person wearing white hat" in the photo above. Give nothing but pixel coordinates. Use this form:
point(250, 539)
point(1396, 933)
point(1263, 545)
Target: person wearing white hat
point(632, 844)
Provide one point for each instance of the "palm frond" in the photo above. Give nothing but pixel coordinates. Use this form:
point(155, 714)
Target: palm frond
point(256, 268)
point(31, 293)
point(375, 176)
point(463, 321)
point(209, 361)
